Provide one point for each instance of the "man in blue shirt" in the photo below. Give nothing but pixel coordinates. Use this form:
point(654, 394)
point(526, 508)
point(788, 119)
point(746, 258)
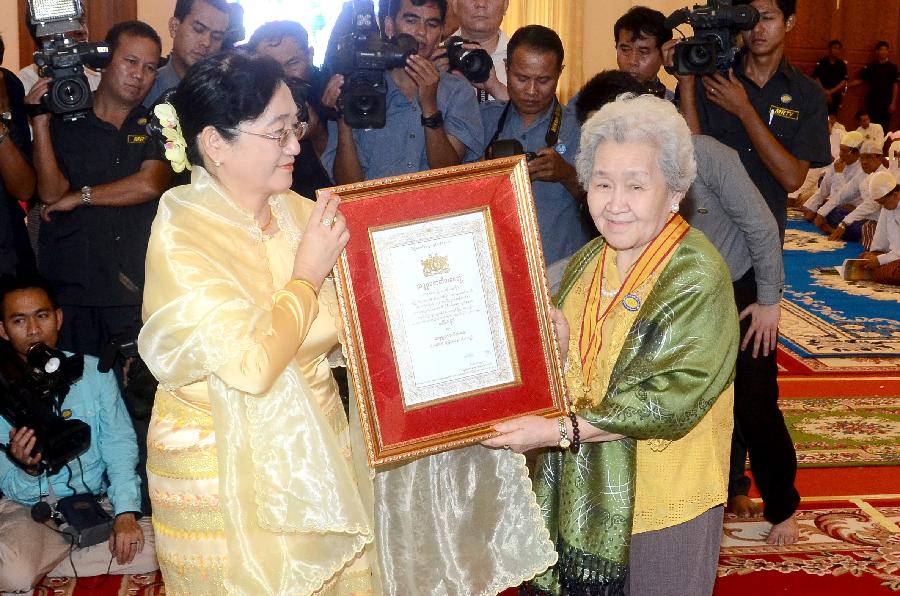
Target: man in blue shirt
point(550, 130)
point(432, 117)
point(28, 549)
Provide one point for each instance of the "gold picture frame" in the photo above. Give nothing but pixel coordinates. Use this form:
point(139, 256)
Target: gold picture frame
point(445, 308)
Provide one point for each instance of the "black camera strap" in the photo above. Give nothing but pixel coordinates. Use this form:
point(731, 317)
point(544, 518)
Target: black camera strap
point(551, 138)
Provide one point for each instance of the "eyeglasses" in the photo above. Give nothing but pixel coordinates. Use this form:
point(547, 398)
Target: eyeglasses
point(298, 130)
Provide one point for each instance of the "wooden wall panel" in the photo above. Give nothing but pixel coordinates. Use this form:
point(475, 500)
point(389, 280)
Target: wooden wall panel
point(858, 24)
point(101, 15)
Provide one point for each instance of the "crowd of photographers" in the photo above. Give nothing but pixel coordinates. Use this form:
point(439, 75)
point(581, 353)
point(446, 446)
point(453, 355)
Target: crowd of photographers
point(399, 93)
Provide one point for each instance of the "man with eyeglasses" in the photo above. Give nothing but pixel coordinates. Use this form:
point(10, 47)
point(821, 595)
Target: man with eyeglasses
point(198, 28)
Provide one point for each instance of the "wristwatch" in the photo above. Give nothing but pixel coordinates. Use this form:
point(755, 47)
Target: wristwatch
point(87, 194)
point(564, 441)
point(436, 120)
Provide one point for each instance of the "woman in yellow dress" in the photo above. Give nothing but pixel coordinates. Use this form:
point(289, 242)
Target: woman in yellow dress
point(249, 462)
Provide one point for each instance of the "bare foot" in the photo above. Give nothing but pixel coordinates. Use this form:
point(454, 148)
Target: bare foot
point(744, 506)
point(785, 533)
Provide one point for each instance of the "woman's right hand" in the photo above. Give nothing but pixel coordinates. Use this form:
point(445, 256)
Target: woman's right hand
point(325, 237)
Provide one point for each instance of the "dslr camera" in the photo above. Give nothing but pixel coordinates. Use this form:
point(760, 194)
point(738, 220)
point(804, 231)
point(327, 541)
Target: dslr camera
point(475, 64)
point(716, 26)
point(62, 58)
point(362, 56)
point(32, 396)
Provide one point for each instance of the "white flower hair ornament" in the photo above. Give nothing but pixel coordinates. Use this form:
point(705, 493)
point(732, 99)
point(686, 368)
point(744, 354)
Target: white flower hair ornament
point(176, 147)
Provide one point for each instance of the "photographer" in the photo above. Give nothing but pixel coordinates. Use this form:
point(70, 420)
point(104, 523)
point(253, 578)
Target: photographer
point(29, 314)
point(288, 43)
point(99, 179)
point(432, 117)
point(549, 131)
point(775, 117)
point(30, 75)
point(479, 23)
point(640, 34)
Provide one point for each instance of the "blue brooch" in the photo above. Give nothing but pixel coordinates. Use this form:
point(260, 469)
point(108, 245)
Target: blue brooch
point(631, 302)
point(561, 148)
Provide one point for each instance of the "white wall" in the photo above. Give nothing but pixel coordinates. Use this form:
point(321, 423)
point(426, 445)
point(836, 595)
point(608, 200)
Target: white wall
point(9, 28)
point(157, 13)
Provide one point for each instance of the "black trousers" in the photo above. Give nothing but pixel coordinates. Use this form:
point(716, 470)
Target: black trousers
point(759, 427)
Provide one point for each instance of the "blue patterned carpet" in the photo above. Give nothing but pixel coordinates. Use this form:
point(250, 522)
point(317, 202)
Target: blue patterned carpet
point(826, 316)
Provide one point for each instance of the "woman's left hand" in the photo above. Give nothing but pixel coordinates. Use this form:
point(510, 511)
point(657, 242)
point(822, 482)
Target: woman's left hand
point(524, 434)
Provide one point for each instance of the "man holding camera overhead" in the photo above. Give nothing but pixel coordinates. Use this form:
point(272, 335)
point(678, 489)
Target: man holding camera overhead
point(432, 118)
point(534, 121)
point(99, 178)
point(30, 548)
point(775, 117)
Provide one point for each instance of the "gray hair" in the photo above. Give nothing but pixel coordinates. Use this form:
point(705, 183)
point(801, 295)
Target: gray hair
point(641, 119)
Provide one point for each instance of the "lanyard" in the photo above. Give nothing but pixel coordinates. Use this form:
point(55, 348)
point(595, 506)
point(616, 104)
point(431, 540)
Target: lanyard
point(551, 138)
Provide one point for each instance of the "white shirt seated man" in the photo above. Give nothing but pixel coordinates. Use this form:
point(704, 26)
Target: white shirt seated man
point(845, 167)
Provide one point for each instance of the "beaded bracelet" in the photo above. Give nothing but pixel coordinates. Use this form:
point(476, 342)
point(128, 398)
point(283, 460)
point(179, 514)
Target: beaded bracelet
point(576, 436)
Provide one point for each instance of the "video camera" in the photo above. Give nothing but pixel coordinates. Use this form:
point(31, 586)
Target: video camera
point(62, 58)
point(475, 64)
point(140, 385)
point(32, 397)
point(362, 56)
point(716, 25)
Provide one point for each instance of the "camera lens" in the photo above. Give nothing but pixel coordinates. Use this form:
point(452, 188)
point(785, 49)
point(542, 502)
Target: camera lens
point(476, 65)
point(698, 56)
point(70, 93)
point(364, 105)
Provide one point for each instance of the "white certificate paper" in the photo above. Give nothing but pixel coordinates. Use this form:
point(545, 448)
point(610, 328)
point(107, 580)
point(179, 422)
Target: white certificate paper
point(442, 296)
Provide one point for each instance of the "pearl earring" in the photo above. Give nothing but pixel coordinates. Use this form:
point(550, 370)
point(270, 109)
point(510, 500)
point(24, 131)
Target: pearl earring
point(674, 207)
point(217, 163)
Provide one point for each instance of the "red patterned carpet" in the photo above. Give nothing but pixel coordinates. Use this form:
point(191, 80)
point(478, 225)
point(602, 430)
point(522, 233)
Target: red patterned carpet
point(108, 585)
point(845, 548)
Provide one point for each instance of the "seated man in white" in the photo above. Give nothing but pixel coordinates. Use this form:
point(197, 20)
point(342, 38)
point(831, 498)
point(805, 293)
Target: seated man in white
point(814, 176)
point(849, 195)
point(872, 131)
point(845, 167)
point(883, 256)
point(851, 226)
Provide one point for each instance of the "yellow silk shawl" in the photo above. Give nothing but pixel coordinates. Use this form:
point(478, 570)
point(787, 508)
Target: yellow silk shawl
point(293, 512)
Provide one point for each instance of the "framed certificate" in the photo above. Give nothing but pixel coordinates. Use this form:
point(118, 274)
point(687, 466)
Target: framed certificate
point(445, 308)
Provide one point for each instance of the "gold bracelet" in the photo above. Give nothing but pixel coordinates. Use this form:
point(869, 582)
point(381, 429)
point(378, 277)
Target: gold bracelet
point(564, 441)
point(306, 283)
